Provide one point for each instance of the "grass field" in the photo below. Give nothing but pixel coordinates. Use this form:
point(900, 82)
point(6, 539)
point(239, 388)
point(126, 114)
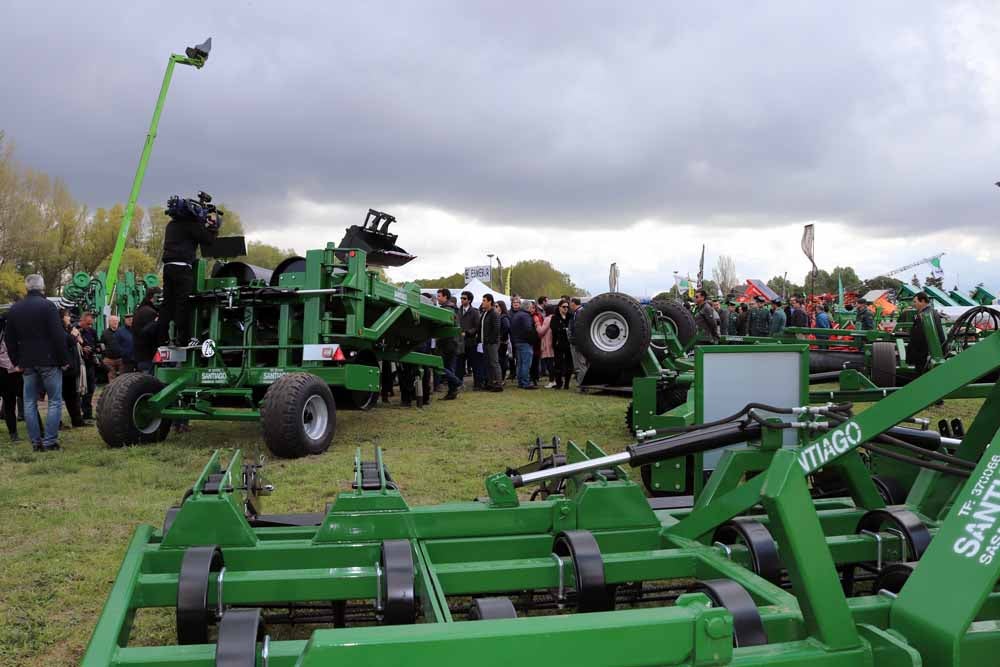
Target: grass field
point(66, 517)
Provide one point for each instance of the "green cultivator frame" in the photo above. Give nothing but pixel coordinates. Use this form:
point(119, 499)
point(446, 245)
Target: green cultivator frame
point(287, 348)
point(753, 572)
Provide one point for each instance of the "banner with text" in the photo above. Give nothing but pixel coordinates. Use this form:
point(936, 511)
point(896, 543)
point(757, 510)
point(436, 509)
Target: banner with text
point(483, 273)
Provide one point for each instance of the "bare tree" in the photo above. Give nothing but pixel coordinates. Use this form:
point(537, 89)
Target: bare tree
point(724, 274)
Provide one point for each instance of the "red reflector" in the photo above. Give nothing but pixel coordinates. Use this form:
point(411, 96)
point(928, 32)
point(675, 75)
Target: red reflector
point(157, 358)
point(352, 253)
point(339, 355)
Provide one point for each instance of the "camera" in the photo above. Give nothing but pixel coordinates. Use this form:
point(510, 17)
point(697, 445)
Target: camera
point(201, 211)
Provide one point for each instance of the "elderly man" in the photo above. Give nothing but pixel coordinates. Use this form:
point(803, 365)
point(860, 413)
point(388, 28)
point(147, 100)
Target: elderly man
point(523, 336)
point(112, 349)
point(36, 343)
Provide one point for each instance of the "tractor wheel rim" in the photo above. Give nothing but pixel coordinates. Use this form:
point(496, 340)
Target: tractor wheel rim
point(139, 417)
point(609, 331)
point(315, 417)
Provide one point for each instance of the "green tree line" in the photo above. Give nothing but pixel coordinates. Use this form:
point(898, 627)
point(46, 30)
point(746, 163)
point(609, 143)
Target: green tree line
point(530, 279)
point(45, 230)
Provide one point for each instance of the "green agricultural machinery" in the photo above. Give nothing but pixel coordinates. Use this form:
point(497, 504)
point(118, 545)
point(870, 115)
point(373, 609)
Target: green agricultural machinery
point(89, 293)
point(286, 347)
point(677, 384)
point(751, 570)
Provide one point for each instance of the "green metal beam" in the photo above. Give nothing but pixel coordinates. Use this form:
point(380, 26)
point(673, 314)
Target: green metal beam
point(140, 173)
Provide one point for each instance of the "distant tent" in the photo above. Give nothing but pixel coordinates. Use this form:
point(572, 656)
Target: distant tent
point(478, 289)
point(757, 288)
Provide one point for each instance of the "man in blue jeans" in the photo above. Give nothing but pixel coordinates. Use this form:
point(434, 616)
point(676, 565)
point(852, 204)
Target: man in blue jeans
point(523, 337)
point(36, 343)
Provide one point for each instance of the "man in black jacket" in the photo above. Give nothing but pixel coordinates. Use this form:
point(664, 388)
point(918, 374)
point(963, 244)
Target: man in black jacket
point(36, 343)
point(705, 317)
point(88, 335)
point(448, 347)
point(523, 337)
point(863, 318)
point(468, 320)
point(489, 333)
point(918, 352)
point(181, 239)
point(144, 331)
point(799, 317)
point(112, 348)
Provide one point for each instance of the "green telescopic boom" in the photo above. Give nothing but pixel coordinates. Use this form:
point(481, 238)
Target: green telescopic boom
point(196, 56)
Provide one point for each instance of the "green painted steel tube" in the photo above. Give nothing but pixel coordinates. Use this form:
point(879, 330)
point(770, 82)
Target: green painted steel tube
point(140, 172)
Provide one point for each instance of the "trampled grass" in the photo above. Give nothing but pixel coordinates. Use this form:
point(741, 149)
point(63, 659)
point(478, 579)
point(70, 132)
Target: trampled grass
point(67, 517)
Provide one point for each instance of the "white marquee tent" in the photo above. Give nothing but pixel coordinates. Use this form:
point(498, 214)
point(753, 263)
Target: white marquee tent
point(478, 289)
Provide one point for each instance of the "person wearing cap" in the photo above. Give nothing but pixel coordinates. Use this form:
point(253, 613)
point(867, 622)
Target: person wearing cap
point(731, 316)
point(863, 318)
point(723, 311)
point(776, 325)
point(760, 318)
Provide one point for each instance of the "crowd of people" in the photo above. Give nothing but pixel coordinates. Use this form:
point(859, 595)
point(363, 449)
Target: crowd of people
point(46, 352)
point(496, 345)
point(715, 318)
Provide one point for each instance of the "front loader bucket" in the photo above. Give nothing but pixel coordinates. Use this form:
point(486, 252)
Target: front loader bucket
point(376, 240)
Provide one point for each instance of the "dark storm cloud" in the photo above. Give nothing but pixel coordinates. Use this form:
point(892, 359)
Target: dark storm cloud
point(575, 114)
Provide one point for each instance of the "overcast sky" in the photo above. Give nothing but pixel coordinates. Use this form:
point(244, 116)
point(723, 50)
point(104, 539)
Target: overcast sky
point(583, 133)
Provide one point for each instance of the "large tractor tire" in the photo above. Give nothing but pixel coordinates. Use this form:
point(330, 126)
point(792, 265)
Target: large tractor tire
point(883, 372)
point(678, 315)
point(121, 416)
point(348, 399)
point(612, 331)
point(298, 416)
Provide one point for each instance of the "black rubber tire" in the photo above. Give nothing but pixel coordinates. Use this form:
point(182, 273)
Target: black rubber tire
point(592, 593)
point(918, 538)
point(240, 630)
point(748, 628)
point(491, 609)
point(399, 602)
point(115, 411)
point(883, 372)
point(348, 399)
point(635, 342)
point(193, 614)
point(681, 318)
point(892, 492)
point(757, 538)
point(893, 577)
point(282, 416)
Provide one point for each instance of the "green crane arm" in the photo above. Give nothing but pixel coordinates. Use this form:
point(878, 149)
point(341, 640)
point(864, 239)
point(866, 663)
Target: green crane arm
point(196, 57)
